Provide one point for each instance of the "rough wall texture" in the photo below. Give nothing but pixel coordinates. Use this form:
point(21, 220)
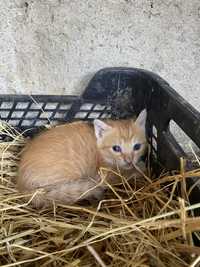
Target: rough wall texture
point(53, 46)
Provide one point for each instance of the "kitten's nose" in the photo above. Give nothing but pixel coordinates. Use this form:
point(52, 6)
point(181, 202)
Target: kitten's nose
point(128, 159)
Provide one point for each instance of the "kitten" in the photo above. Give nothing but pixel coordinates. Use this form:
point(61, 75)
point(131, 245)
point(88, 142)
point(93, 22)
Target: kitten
point(64, 160)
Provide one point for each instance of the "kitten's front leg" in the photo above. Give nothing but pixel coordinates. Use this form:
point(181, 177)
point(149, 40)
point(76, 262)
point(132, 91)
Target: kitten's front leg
point(98, 190)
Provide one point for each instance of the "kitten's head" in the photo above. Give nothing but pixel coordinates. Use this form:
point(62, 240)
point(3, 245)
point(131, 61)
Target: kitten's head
point(122, 142)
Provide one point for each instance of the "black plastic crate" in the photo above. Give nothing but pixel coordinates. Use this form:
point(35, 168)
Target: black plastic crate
point(115, 93)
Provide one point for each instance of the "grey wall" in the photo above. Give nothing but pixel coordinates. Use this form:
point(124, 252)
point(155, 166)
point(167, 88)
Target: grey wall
point(53, 46)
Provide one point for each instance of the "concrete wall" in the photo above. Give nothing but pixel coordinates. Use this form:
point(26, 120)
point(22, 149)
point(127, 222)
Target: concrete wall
point(53, 46)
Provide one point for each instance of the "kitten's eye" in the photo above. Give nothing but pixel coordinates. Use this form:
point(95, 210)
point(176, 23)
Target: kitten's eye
point(116, 148)
point(136, 146)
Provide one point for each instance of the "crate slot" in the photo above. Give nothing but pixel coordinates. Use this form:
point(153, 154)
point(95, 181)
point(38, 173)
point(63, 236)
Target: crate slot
point(59, 114)
point(13, 122)
point(17, 114)
point(65, 106)
point(46, 114)
point(7, 105)
point(81, 115)
point(26, 123)
point(105, 116)
point(41, 122)
point(99, 107)
point(155, 132)
point(37, 105)
point(51, 106)
point(93, 115)
point(86, 106)
point(182, 138)
point(154, 143)
point(22, 105)
point(32, 114)
point(4, 114)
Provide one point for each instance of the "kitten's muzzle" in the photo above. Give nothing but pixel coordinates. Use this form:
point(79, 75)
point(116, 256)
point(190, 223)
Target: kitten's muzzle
point(128, 159)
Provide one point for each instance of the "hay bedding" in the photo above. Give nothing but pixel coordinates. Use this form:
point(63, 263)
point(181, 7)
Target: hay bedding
point(138, 224)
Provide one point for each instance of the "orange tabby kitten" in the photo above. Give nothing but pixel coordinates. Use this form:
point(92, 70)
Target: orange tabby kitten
point(64, 161)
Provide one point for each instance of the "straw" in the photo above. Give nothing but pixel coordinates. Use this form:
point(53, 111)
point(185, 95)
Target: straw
point(139, 222)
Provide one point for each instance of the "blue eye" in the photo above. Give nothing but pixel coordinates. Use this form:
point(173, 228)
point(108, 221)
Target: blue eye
point(136, 146)
point(116, 148)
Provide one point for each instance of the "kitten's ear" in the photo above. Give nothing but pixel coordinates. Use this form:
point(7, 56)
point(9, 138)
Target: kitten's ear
point(141, 119)
point(100, 128)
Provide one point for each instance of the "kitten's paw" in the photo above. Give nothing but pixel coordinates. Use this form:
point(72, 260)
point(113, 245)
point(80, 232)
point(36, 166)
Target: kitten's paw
point(96, 195)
